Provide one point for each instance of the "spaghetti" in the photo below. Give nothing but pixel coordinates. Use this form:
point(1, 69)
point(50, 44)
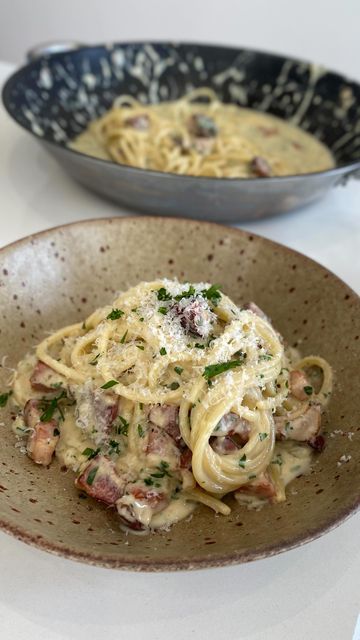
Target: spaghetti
point(201, 136)
point(170, 397)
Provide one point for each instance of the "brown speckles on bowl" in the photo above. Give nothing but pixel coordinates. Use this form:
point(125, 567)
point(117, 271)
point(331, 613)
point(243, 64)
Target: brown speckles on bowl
point(248, 267)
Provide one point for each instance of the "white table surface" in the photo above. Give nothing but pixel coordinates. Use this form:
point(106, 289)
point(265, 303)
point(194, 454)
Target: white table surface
point(309, 593)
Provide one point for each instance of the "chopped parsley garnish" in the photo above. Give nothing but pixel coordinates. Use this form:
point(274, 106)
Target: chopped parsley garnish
point(124, 337)
point(115, 314)
point(90, 453)
point(83, 326)
point(308, 390)
point(242, 461)
point(213, 370)
point(162, 470)
point(114, 446)
point(262, 436)
point(277, 460)
point(56, 385)
point(49, 408)
point(186, 294)
point(109, 384)
point(4, 397)
point(213, 294)
point(141, 319)
point(140, 346)
point(163, 310)
point(173, 386)
point(123, 428)
point(198, 345)
point(163, 351)
point(141, 406)
point(94, 361)
point(91, 475)
point(148, 481)
point(265, 356)
point(252, 476)
point(140, 431)
point(162, 294)
point(178, 370)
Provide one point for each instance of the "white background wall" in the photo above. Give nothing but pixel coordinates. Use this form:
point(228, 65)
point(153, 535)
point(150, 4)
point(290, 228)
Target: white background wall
point(326, 31)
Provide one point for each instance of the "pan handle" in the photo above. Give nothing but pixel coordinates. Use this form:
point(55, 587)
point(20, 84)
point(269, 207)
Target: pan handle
point(48, 48)
point(344, 179)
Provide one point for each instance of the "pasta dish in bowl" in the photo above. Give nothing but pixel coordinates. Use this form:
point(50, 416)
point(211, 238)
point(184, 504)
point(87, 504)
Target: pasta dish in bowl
point(170, 397)
point(181, 422)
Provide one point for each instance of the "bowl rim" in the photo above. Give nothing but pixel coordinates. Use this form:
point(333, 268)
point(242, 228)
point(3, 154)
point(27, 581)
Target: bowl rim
point(347, 168)
point(215, 559)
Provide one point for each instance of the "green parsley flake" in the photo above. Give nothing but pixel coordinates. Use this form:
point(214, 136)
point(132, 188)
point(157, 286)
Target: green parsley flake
point(265, 356)
point(178, 370)
point(163, 310)
point(148, 481)
point(308, 390)
point(91, 475)
point(262, 436)
point(213, 294)
point(109, 384)
point(140, 431)
point(163, 351)
point(162, 470)
point(90, 453)
point(173, 386)
point(186, 294)
point(252, 476)
point(242, 461)
point(4, 397)
point(140, 346)
point(124, 337)
point(115, 314)
point(162, 294)
point(213, 370)
point(123, 428)
point(94, 361)
point(114, 446)
point(49, 408)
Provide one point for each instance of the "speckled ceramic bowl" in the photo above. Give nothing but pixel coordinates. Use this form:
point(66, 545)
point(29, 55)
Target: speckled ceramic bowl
point(58, 276)
point(65, 86)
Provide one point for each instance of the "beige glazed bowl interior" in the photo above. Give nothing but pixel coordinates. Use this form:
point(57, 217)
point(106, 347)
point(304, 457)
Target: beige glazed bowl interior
point(60, 276)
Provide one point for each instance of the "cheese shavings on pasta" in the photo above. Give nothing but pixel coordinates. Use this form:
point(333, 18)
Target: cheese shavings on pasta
point(171, 397)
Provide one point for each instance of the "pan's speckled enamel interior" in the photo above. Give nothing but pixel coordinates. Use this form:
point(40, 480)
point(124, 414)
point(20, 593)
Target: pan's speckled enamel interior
point(57, 95)
point(59, 276)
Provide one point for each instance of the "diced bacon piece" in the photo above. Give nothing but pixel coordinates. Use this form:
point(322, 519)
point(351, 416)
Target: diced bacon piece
point(298, 382)
point(96, 410)
point(137, 507)
point(42, 442)
point(166, 416)
point(43, 378)
point(44, 436)
point(195, 316)
point(223, 445)
point(260, 167)
point(159, 442)
point(262, 487)
point(317, 443)
point(303, 428)
point(201, 126)
point(231, 424)
point(32, 413)
point(101, 481)
point(251, 306)
point(186, 458)
point(141, 122)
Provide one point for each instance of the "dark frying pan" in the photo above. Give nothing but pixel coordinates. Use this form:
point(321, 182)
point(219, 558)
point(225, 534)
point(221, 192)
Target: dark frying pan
point(64, 87)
